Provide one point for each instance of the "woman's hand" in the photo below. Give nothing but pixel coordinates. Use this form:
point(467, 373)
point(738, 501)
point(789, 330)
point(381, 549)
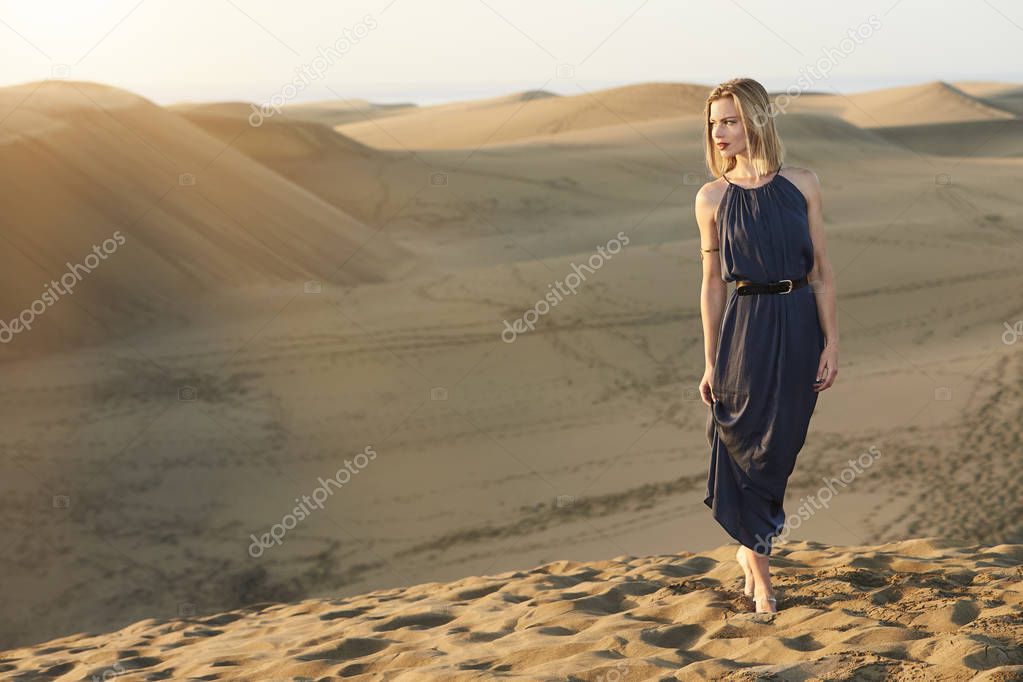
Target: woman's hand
point(827, 368)
point(706, 389)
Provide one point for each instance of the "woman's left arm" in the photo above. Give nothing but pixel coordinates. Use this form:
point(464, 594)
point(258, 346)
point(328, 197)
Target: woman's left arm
point(822, 282)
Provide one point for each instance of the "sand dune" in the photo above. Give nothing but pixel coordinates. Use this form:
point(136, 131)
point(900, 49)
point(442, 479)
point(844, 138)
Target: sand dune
point(329, 113)
point(990, 139)
point(916, 609)
point(935, 102)
point(503, 202)
point(494, 121)
point(975, 120)
point(596, 403)
point(1004, 95)
point(342, 112)
point(370, 185)
point(333, 113)
point(478, 438)
point(986, 89)
point(196, 215)
point(1010, 99)
point(275, 138)
point(493, 102)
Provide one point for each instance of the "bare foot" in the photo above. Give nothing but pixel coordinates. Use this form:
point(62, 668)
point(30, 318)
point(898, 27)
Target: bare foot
point(765, 601)
point(740, 556)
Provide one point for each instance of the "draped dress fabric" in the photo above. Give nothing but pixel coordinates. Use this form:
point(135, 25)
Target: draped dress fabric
point(766, 361)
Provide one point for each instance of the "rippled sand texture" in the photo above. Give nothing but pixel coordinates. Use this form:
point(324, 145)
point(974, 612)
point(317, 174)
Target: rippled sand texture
point(913, 610)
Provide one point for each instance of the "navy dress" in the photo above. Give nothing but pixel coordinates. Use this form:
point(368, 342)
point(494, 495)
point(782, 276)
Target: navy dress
point(766, 361)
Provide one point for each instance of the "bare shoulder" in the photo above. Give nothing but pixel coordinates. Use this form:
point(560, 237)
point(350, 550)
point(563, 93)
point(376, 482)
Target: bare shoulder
point(709, 196)
point(805, 180)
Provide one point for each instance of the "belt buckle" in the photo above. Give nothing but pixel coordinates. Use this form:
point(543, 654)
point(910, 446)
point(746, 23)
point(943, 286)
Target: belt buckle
point(787, 291)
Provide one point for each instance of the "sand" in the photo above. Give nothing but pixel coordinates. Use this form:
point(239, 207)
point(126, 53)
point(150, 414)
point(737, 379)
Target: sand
point(503, 119)
point(934, 102)
point(912, 610)
point(195, 385)
point(197, 216)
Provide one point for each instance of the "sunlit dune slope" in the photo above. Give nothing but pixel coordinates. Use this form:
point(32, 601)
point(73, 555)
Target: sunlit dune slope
point(83, 160)
point(494, 121)
point(934, 102)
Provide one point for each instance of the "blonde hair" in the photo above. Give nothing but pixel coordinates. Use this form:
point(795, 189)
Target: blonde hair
point(763, 145)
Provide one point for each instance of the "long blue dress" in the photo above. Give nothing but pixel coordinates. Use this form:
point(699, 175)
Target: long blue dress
point(766, 362)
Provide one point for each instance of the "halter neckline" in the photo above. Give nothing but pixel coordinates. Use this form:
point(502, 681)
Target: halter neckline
point(750, 189)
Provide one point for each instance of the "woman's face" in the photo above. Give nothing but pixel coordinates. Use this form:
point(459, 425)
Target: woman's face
point(726, 128)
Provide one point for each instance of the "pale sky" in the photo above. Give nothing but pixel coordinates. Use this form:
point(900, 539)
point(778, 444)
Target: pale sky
point(427, 52)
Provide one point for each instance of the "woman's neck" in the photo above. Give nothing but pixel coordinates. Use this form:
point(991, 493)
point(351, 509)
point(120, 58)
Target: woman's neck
point(744, 169)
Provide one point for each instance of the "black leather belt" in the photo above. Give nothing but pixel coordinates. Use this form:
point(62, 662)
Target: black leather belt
point(784, 286)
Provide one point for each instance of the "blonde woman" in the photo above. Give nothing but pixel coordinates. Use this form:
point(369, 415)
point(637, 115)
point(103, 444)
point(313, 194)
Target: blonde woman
point(771, 345)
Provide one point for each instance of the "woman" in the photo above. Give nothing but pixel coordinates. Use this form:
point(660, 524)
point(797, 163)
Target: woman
point(771, 346)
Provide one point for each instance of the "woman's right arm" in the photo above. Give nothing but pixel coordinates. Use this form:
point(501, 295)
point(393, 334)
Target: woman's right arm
point(713, 290)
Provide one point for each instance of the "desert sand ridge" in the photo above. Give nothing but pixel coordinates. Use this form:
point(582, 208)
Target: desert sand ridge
point(934, 102)
point(197, 215)
point(494, 121)
point(927, 271)
point(914, 609)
